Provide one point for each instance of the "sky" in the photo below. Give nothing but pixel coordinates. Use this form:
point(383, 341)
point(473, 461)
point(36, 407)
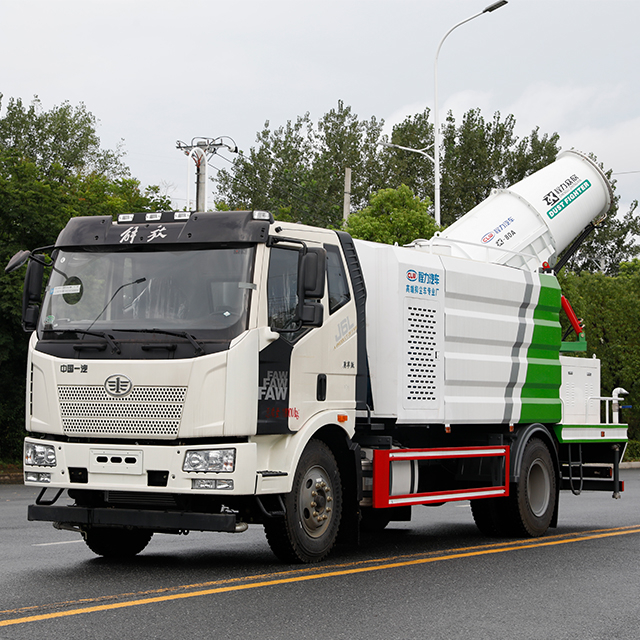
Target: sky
point(157, 71)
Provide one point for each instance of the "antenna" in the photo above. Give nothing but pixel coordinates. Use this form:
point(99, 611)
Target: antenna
point(202, 150)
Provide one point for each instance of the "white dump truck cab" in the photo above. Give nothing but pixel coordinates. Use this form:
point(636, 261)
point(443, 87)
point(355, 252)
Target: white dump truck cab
point(183, 363)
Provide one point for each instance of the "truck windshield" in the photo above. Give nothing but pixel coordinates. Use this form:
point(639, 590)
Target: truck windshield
point(205, 291)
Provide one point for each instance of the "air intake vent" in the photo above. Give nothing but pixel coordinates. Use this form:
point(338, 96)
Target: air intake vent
point(421, 355)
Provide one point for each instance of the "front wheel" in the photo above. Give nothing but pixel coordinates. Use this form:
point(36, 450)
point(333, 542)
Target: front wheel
point(117, 543)
point(313, 509)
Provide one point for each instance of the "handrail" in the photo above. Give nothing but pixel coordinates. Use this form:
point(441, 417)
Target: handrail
point(615, 409)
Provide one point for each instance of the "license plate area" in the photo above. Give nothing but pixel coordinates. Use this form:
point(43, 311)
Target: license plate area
point(116, 461)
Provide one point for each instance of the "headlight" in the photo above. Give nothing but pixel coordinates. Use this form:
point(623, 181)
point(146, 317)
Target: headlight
point(210, 460)
point(40, 455)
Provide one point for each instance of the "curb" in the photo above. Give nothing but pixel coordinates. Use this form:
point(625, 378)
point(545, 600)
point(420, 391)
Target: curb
point(12, 478)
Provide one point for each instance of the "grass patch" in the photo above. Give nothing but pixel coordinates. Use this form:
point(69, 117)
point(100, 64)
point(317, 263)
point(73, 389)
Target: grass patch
point(10, 467)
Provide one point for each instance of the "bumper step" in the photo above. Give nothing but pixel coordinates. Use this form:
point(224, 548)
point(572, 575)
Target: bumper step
point(159, 521)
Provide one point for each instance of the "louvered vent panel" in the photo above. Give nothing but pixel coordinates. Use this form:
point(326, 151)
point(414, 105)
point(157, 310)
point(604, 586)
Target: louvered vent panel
point(421, 355)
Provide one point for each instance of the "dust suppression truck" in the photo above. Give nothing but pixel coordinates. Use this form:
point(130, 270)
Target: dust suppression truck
point(207, 371)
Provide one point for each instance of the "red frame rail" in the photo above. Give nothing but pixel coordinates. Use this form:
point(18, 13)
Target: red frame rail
point(382, 459)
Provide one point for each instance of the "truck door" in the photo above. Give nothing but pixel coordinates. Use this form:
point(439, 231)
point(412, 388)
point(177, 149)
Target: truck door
point(308, 369)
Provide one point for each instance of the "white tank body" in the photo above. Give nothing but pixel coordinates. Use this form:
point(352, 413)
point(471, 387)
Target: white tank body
point(535, 219)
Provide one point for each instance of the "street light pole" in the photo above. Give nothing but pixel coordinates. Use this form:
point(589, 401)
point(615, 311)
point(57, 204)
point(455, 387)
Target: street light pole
point(436, 168)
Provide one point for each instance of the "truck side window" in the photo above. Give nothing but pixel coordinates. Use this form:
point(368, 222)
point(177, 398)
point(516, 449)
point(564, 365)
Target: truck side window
point(282, 287)
point(336, 279)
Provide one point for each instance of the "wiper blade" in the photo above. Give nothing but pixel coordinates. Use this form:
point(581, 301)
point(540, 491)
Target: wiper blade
point(115, 293)
point(179, 334)
point(101, 334)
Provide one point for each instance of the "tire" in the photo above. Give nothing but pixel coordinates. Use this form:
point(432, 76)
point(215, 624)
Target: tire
point(117, 543)
point(489, 514)
point(313, 509)
point(532, 505)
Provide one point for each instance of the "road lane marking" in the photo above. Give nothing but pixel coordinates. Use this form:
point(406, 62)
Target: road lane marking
point(50, 544)
point(350, 569)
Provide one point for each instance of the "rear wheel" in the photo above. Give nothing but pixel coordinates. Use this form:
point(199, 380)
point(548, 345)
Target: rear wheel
point(489, 515)
point(530, 507)
point(117, 543)
point(534, 502)
point(313, 509)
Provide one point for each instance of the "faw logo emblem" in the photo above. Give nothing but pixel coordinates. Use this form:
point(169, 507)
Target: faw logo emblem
point(118, 385)
point(275, 386)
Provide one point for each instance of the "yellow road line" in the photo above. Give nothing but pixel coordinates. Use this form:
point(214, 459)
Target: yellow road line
point(492, 549)
point(303, 570)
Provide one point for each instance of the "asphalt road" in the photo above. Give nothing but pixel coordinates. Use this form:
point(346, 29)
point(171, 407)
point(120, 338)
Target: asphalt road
point(435, 577)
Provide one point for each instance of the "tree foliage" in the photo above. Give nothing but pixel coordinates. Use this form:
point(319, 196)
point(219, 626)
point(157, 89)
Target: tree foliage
point(613, 242)
point(478, 156)
point(61, 141)
point(610, 309)
point(393, 215)
point(51, 169)
point(297, 171)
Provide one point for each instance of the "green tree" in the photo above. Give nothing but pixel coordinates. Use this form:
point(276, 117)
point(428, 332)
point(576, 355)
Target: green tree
point(393, 215)
point(297, 171)
point(405, 167)
point(51, 169)
point(478, 156)
point(610, 309)
point(613, 242)
point(60, 141)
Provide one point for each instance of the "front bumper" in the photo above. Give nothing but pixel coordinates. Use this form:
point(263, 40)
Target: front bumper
point(159, 521)
point(148, 468)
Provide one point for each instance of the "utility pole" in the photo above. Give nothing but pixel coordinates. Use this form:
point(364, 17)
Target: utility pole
point(202, 150)
point(346, 207)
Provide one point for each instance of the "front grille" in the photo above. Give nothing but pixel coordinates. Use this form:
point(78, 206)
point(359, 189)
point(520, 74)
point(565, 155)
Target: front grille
point(146, 411)
point(140, 498)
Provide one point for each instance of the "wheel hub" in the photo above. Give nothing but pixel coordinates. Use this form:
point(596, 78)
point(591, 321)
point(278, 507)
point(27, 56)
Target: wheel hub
point(315, 502)
point(538, 487)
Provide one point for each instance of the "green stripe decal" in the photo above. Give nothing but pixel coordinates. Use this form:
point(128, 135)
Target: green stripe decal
point(541, 391)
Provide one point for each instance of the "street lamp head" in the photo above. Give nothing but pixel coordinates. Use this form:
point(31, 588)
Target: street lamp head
point(494, 6)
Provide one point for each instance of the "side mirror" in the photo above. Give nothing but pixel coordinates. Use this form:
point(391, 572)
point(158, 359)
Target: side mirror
point(311, 279)
point(32, 295)
point(313, 272)
point(311, 314)
point(17, 261)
